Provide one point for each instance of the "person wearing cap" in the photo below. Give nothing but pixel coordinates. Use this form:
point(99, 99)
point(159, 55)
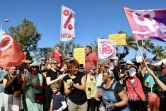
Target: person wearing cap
point(135, 91)
point(91, 58)
point(56, 54)
point(32, 87)
point(113, 93)
point(91, 88)
point(69, 57)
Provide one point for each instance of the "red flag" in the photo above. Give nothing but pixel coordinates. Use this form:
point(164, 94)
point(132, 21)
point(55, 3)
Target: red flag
point(10, 51)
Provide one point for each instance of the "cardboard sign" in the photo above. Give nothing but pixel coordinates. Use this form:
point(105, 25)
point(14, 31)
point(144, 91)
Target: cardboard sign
point(119, 39)
point(79, 55)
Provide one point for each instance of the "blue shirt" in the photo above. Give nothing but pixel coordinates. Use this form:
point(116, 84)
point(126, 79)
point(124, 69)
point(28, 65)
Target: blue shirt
point(57, 99)
point(1, 84)
point(149, 80)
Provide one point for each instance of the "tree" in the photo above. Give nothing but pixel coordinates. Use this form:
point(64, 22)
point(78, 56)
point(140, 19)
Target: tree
point(42, 52)
point(67, 47)
point(26, 35)
point(158, 51)
point(148, 45)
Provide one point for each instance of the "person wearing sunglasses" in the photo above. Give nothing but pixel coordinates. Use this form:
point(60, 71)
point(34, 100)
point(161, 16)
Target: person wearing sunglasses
point(32, 87)
point(51, 77)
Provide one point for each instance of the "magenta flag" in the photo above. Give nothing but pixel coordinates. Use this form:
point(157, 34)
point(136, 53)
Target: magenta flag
point(147, 23)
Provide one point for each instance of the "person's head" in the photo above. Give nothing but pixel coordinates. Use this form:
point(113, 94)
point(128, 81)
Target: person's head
point(91, 70)
point(54, 63)
point(129, 64)
point(26, 52)
point(88, 49)
point(107, 75)
point(65, 65)
point(34, 68)
point(70, 54)
point(43, 60)
point(73, 67)
point(132, 72)
point(12, 70)
point(57, 47)
point(56, 87)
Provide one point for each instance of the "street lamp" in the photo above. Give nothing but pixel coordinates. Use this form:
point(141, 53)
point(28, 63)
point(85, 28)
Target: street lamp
point(6, 20)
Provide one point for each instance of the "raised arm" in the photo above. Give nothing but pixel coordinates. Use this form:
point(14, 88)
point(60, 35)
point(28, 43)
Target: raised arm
point(160, 83)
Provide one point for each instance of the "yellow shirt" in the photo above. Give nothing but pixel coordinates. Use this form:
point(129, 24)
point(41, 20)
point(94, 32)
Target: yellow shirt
point(90, 87)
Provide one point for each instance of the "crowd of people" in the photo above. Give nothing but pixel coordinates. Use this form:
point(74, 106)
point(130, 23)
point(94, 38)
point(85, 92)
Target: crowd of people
point(58, 84)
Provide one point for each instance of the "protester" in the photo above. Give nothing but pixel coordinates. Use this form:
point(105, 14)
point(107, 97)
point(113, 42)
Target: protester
point(25, 63)
point(91, 88)
point(135, 92)
point(69, 57)
point(75, 86)
point(32, 86)
point(161, 81)
point(90, 58)
point(12, 90)
point(64, 69)
point(57, 55)
point(58, 102)
point(2, 74)
point(113, 94)
point(51, 77)
point(42, 67)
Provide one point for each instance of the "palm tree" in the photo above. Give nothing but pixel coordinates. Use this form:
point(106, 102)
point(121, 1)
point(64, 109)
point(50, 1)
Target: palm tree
point(158, 51)
point(148, 45)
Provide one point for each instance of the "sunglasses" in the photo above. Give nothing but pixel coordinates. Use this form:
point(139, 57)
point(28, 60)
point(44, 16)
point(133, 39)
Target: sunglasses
point(55, 63)
point(34, 67)
point(42, 60)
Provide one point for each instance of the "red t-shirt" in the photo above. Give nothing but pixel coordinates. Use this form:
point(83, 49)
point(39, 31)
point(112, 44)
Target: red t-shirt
point(90, 60)
point(58, 56)
point(134, 89)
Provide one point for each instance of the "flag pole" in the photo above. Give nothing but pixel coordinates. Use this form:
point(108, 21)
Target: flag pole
point(141, 54)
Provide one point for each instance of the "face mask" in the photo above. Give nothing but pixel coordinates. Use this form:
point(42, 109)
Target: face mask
point(132, 74)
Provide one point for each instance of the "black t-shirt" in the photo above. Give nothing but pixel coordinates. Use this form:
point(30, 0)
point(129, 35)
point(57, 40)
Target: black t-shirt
point(14, 85)
point(77, 96)
point(53, 75)
point(24, 65)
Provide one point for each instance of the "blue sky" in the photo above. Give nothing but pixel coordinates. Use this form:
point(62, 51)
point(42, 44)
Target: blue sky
point(94, 18)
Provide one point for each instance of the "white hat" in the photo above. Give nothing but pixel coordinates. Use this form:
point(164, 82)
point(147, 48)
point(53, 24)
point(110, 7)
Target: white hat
point(129, 62)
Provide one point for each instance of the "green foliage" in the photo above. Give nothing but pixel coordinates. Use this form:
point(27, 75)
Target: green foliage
point(67, 47)
point(26, 35)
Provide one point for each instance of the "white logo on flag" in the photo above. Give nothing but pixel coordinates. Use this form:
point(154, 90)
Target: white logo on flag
point(106, 49)
point(67, 24)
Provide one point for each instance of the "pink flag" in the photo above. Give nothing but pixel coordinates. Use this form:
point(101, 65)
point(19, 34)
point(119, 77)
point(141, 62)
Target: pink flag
point(147, 23)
